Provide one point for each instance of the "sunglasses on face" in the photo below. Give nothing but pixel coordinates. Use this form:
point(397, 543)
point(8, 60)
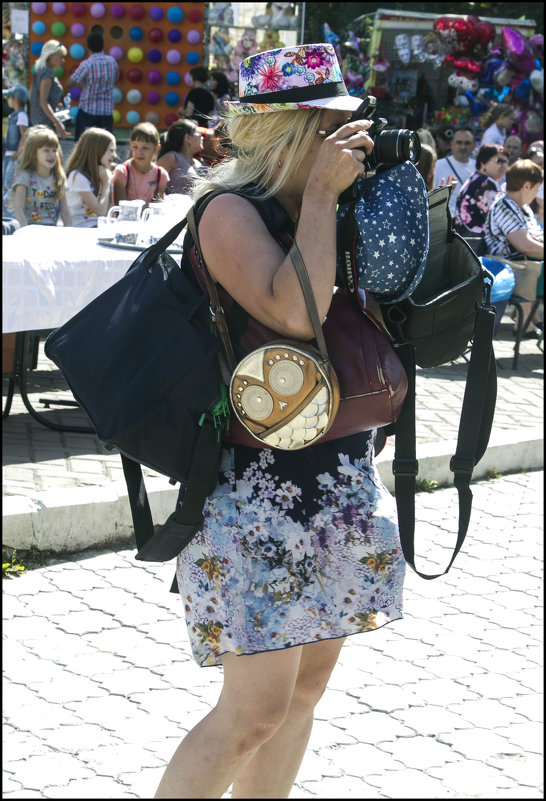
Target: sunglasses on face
point(501, 161)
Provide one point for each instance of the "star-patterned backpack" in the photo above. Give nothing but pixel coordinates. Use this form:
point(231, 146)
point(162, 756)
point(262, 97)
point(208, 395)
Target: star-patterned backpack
point(434, 295)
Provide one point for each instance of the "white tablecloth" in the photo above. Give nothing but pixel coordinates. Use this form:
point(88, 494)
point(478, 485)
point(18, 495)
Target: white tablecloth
point(51, 272)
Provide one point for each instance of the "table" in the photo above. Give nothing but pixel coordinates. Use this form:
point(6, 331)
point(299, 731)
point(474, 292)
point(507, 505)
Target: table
point(49, 274)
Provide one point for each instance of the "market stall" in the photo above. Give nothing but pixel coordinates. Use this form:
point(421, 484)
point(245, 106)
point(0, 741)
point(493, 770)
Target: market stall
point(431, 69)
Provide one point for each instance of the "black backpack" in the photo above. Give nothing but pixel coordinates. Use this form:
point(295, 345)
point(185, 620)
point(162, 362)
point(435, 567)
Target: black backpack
point(449, 310)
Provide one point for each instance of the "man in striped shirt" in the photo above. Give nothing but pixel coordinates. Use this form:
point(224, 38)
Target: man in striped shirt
point(97, 75)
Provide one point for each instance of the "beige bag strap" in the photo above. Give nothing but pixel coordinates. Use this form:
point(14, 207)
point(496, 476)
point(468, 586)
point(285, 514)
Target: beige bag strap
point(307, 289)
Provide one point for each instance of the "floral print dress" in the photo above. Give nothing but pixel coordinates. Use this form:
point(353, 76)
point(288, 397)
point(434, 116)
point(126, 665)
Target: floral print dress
point(296, 547)
point(476, 197)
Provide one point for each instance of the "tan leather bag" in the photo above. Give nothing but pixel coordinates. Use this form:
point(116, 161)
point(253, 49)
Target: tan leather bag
point(526, 273)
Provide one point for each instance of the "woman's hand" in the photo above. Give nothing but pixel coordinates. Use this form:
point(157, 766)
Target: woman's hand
point(340, 159)
point(60, 129)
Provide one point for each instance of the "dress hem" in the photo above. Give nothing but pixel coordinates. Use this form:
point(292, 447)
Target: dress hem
point(296, 645)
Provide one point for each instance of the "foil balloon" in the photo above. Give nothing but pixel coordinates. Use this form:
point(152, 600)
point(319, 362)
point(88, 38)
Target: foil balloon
point(537, 81)
point(515, 48)
point(459, 81)
point(402, 44)
point(504, 75)
point(476, 106)
point(522, 90)
point(484, 33)
point(465, 64)
point(417, 51)
point(491, 65)
point(536, 43)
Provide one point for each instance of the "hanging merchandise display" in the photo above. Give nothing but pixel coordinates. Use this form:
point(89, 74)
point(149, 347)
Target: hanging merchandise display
point(235, 31)
point(430, 69)
point(154, 44)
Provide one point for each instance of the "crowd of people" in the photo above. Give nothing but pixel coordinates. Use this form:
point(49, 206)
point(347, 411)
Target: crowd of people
point(37, 190)
point(497, 190)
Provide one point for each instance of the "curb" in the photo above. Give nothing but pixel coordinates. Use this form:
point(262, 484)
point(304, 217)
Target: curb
point(68, 521)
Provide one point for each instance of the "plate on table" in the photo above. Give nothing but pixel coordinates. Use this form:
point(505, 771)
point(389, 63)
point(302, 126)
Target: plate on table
point(139, 248)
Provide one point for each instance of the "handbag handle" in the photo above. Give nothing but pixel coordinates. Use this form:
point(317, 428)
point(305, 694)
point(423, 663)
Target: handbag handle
point(308, 294)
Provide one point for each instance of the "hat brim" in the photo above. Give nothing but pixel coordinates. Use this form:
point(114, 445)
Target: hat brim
point(338, 103)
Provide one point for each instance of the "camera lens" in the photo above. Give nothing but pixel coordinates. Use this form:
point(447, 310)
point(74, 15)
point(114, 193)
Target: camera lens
point(397, 146)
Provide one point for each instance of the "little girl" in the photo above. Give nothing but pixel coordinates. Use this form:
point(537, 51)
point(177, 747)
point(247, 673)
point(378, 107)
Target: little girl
point(39, 186)
point(89, 185)
point(139, 178)
point(17, 97)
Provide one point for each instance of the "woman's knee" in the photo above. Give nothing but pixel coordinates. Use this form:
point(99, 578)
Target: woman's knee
point(251, 725)
point(316, 667)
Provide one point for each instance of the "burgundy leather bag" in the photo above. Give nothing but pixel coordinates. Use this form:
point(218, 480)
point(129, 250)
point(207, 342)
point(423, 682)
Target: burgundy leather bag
point(372, 380)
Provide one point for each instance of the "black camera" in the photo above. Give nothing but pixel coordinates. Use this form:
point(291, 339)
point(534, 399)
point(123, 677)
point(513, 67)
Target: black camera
point(392, 146)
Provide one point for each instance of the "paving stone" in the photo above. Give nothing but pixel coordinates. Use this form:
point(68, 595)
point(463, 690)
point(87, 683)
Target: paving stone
point(407, 784)
point(471, 779)
point(478, 743)
point(419, 752)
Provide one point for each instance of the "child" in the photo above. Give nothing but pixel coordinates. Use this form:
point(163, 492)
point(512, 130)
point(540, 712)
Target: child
point(17, 97)
point(89, 184)
point(139, 178)
point(39, 186)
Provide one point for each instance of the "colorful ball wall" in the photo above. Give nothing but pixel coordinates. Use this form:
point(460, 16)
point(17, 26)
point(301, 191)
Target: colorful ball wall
point(154, 44)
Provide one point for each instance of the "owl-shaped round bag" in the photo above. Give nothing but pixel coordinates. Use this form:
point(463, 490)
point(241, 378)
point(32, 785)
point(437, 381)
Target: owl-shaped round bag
point(286, 393)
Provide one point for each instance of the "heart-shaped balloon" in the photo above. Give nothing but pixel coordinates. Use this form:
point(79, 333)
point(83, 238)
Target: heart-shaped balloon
point(466, 37)
point(465, 64)
point(484, 33)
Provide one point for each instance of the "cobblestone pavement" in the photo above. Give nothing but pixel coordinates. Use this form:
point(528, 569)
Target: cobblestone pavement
point(99, 683)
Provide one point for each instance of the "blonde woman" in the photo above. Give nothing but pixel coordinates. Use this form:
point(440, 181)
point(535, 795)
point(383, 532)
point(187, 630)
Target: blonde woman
point(46, 88)
point(39, 186)
point(298, 549)
point(89, 170)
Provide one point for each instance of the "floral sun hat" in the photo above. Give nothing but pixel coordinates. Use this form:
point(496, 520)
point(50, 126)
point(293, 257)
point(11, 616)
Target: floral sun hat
point(303, 76)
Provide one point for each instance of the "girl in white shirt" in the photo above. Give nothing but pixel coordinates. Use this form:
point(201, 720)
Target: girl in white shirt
point(498, 124)
point(89, 170)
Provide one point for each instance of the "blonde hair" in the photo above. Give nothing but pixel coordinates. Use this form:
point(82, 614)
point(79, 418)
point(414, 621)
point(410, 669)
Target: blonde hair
point(36, 137)
point(86, 156)
point(426, 163)
point(261, 142)
point(49, 49)
point(495, 113)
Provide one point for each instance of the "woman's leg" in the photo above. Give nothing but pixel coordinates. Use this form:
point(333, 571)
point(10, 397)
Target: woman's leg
point(253, 704)
point(272, 771)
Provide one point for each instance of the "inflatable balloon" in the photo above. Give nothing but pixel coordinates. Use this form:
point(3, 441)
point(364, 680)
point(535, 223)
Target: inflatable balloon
point(459, 81)
point(537, 81)
point(536, 43)
point(504, 75)
point(402, 45)
point(465, 64)
point(490, 66)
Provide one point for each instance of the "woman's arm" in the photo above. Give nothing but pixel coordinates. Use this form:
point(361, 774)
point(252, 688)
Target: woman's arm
point(45, 88)
point(23, 131)
point(527, 244)
point(19, 195)
point(259, 275)
point(167, 161)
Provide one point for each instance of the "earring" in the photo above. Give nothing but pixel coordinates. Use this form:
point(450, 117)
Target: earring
point(279, 164)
